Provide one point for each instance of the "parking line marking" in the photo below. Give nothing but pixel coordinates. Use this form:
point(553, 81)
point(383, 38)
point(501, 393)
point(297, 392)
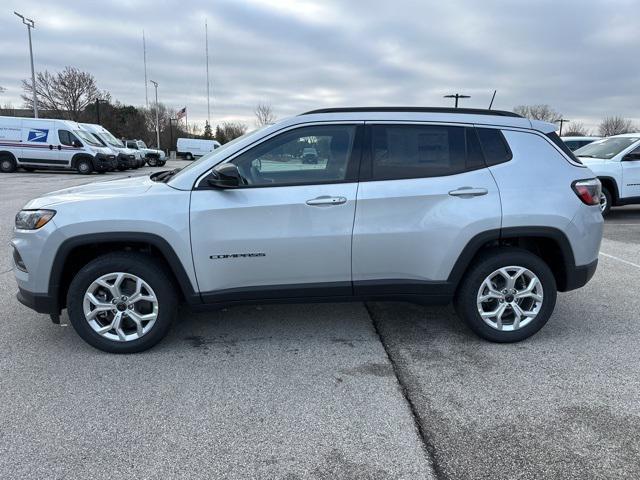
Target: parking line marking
point(620, 259)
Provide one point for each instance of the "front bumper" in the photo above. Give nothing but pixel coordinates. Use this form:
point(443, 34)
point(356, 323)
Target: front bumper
point(104, 163)
point(126, 161)
point(40, 302)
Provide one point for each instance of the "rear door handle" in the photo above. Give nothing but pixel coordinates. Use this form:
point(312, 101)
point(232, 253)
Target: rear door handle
point(468, 192)
point(326, 200)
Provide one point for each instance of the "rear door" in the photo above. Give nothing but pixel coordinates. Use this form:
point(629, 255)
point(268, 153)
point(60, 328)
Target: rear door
point(425, 192)
point(287, 232)
point(39, 143)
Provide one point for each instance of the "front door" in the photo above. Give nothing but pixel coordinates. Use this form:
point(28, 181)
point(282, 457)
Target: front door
point(631, 174)
point(287, 232)
point(424, 193)
point(39, 144)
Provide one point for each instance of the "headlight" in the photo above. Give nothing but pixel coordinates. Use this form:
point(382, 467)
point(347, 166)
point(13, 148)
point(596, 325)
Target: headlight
point(33, 219)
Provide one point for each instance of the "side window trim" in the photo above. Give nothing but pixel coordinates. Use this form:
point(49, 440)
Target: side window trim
point(355, 159)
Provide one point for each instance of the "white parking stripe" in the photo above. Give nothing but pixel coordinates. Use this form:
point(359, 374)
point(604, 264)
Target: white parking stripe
point(620, 259)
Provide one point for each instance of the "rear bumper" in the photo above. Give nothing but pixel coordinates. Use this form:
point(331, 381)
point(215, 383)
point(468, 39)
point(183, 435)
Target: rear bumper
point(580, 275)
point(40, 302)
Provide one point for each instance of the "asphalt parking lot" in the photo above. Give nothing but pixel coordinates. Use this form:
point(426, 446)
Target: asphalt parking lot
point(386, 390)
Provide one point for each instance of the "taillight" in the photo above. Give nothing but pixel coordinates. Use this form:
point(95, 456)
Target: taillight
point(588, 190)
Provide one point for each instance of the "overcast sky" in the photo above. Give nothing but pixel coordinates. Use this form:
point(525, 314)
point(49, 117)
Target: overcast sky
point(579, 57)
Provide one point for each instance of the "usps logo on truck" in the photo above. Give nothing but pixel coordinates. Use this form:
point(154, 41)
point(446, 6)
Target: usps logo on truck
point(38, 135)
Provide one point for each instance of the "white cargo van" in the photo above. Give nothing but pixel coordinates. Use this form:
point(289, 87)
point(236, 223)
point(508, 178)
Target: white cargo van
point(195, 147)
point(34, 143)
point(126, 157)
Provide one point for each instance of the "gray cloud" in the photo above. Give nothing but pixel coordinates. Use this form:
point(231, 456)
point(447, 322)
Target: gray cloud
point(302, 54)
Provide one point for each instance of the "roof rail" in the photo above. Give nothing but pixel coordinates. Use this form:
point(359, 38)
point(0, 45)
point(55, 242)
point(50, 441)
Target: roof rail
point(471, 111)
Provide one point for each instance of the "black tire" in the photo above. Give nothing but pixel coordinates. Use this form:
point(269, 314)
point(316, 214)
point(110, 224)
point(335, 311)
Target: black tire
point(144, 267)
point(494, 259)
point(84, 166)
point(188, 156)
point(7, 164)
point(152, 161)
point(608, 199)
point(161, 163)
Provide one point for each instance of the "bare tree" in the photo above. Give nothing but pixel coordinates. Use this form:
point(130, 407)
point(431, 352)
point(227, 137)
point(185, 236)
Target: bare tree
point(230, 130)
point(615, 126)
point(264, 114)
point(577, 129)
point(66, 93)
point(538, 112)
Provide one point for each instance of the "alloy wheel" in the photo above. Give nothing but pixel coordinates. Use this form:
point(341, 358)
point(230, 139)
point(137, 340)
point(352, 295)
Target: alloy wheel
point(510, 298)
point(120, 306)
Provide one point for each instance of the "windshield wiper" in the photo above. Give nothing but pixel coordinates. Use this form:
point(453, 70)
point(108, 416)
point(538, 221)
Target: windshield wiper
point(164, 176)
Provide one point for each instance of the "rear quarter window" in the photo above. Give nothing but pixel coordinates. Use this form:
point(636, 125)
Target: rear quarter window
point(494, 146)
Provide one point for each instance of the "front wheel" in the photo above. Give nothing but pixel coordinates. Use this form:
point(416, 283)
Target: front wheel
point(84, 166)
point(605, 201)
point(507, 295)
point(122, 302)
point(152, 161)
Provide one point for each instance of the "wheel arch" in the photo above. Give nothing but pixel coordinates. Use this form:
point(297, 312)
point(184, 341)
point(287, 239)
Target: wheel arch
point(76, 252)
point(80, 156)
point(548, 243)
point(611, 185)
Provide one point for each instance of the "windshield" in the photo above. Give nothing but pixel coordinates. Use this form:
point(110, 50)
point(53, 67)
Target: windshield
point(95, 135)
point(86, 137)
point(141, 144)
point(606, 148)
point(218, 151)
point(110, 139)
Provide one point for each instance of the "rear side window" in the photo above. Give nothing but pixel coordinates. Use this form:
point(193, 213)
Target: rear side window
point(494, 146)
point(553, 136)
point(416, 151)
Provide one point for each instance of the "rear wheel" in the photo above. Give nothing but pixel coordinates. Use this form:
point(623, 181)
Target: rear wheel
point(84, 166)
point(122, 302)
point(7, 164)
point(188, 156)
point(507, 295)
point(605, 201)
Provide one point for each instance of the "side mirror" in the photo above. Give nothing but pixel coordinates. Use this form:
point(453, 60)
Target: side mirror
point(76, 143)
point(630, 157)
point(225, 176)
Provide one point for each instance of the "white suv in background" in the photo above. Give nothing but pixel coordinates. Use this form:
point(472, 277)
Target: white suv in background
point(483, 208)
point(616, 162)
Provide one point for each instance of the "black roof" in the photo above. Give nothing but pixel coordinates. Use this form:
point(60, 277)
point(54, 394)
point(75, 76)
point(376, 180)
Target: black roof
point(472, 111)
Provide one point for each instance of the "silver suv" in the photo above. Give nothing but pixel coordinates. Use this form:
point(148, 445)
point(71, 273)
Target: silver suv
point(483, 208)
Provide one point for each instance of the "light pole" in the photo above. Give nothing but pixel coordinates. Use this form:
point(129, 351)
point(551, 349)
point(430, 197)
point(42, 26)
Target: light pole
point(155, 84)
point(562, 121)
point(31, 24)
point(457, 96)
point(98, 102)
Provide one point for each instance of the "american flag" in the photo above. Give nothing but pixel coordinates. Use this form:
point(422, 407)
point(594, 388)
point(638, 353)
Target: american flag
point(181, 113)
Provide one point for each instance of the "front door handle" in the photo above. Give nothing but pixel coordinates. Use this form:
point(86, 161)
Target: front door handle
point(59, 147)
point(326, 200)
point(468, 192)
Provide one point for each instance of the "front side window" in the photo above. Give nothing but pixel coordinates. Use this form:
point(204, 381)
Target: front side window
point(308, 155)
point(416, 151)
point(66, 137)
